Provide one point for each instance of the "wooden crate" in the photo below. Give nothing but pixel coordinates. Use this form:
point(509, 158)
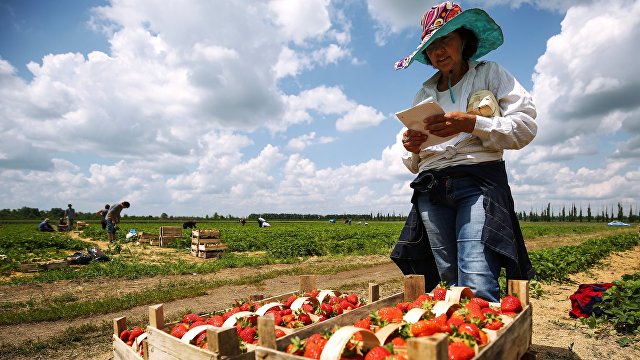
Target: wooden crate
point(169, 234)
point(208, 254)
point(221, 342)
point(144, 238)
point(512, 343)
point(29, 267)
point(208, 245)
point(81, 224)
point(51, 265)
point(206, 234)
point(122, 351)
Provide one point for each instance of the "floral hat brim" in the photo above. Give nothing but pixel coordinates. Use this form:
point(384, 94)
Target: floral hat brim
point(489, 34)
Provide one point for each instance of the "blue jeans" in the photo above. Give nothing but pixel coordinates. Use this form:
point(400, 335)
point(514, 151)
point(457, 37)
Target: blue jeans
point(453, 214)
point(111, 226)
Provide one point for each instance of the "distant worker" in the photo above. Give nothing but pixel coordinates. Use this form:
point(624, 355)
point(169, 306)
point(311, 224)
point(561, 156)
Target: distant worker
point(191, 224)
point(243, 221)
point(263, 223)
point(45, 226)
point(103, 216)
point(70, 215)
point(113, 218)
point(62, 225)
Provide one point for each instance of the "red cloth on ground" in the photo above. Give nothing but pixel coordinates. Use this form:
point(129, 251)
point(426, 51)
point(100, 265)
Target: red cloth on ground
point(583, 300)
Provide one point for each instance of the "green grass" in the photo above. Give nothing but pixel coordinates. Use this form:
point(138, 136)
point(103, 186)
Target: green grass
point(551, 265)
point(65, 307)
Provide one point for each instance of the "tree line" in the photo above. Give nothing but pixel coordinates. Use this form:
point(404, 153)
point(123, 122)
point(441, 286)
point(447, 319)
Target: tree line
point(575, 214)
point(549, 214)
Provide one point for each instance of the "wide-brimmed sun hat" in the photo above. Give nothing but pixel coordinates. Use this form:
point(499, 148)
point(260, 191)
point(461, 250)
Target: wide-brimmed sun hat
point(446, 17)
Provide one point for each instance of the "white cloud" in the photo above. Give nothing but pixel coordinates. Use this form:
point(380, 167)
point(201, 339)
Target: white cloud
point(193, 108)
point(359, 117)
point(301, 20)
point(330, 101)
point(301, 142)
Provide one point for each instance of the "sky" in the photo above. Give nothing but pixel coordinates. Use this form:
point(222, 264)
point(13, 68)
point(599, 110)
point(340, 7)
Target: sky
point(197, 107)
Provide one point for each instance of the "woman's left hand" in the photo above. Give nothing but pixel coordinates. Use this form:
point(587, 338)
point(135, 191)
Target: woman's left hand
point(448, 124)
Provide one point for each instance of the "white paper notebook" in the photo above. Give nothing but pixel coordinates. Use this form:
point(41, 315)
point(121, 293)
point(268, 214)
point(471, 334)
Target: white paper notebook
point(412, 119)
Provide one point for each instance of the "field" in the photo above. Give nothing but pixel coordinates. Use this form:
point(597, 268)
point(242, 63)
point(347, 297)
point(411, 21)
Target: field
point(68, 312)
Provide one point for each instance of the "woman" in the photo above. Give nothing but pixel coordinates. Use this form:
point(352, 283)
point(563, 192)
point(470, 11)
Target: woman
point(461, 193)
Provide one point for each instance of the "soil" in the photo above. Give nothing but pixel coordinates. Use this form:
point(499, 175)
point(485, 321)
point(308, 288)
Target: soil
point(555, 334)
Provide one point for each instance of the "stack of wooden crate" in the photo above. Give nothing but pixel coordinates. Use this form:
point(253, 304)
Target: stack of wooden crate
point(206, 243)
point(168, 235)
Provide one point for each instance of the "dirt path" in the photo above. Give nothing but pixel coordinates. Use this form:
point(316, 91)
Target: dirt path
point(555, 335)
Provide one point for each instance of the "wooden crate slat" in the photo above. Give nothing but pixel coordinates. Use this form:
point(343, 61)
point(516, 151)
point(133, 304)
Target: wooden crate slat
point(206, 233)
point(512, 343)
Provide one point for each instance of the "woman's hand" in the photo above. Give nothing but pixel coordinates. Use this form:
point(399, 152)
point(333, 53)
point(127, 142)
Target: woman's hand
point(412, 140)
point(448, 124)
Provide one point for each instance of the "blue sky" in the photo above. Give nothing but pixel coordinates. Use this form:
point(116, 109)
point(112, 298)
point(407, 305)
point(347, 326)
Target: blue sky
point(237, 107)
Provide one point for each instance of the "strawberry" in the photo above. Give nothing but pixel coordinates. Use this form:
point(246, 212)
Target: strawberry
point(215, 320)
point(124, 335)
point(314, 346)
point(290, 300)
point(352, 298)
point(425, 328)
point(377, 353)
point(480, 302)
point(191, 318)
point(135, 332)
point(248, 334)
point(304, 318)
point(442, 321)
point(229, 313)
point(286, 319)
point(308, 308)
point(201, 338)
point(455, 322)
point(364, 323)
point(484, 339)
point(440, 291)
point(197, 323)
point(179, 330)
point(277, 318)
point(404, 306)
point(471, 329)
point(322, 317)
point(398, 341)
point(476, 316)
point(422, 299)
point(337, 309)
point(472, 306)
point(280, 333)
point(510, 304)
point(312, 293)
point(390, 314)
point(488, 311)
point(460, 351)
point(334, 300)
point(493, 322)
point(326, 308)
point(346, 305)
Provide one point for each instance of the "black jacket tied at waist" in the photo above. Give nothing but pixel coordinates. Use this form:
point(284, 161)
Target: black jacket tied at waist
point(501, 232)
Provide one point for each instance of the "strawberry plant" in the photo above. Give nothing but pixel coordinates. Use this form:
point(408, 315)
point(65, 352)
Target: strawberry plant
point(621, 304)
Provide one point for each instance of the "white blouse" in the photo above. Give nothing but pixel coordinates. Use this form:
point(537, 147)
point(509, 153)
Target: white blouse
point(514, 129)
